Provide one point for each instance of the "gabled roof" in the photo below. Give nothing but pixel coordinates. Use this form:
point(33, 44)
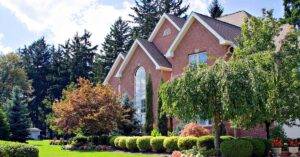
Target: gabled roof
point(175, 21)
point(236, 18)
point(114, 68)
point(157, 58)
point(226, 33)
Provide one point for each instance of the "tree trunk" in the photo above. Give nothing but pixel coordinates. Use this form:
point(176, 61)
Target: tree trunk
point(268, 124)
point(217, 133)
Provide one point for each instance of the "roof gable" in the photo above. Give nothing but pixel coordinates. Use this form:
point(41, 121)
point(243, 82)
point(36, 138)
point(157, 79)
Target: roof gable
point(119, 59)
point(236, 18)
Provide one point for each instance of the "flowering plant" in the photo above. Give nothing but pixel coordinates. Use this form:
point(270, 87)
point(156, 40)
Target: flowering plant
point(277, 143)
point(293, 143)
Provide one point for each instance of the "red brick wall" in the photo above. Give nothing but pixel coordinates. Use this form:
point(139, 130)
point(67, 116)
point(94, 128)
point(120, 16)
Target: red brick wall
point(163, 42)
point(114, 81)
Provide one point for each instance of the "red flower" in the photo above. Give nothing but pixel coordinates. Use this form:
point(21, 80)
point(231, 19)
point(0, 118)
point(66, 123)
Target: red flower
point(277, 143)
point(293, 143)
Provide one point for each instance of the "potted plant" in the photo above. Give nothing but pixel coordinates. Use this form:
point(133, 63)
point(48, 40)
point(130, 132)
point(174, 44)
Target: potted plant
point(293, 147)
point(276, 147)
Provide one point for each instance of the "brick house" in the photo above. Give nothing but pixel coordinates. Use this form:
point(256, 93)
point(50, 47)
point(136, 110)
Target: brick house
point(173, 45)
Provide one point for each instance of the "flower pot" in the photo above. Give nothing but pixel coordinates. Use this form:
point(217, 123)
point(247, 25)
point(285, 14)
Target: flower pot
point(276, 152)
point(293, 151)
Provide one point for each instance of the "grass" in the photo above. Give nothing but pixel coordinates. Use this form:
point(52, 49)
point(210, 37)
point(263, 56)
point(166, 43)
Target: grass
point(47, 150)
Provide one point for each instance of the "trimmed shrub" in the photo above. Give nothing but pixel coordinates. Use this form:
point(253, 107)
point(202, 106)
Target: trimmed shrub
point(143, 143)
point(206, 142)
point(267, 146)
point(185, 143)
point(122, 142)
point(14, 149)
point(194, 129)
point(258, 147)
point(226, 138)
point(79, 140)
point(157, 143)
point(111, 140)
point(116, 141)
point(170, 143)
point(229, 148)
point(99, 140)
point(131, 143)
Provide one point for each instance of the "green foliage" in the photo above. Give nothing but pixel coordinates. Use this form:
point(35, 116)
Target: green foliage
point(258, 147)
point(116, 141)
point(143, 143)
point(155, 132)
point(206, 142)
point(131, 143)
point(229, 148)
point(185, 143)
point(162, 117)
point(4, 126)
point(122, 142)
point(215, 9)
point(291, 12)
point(226, 138)
point(18, 116)
point(13, 149)
point(157, 143)
point(278, 132)
point(112, 140)
point(148, 126)
point(99, 140)
point(79, 140)
point(170, 143)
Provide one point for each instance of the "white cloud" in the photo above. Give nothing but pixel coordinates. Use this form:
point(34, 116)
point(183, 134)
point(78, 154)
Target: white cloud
point(4, 49)
point(59, 20)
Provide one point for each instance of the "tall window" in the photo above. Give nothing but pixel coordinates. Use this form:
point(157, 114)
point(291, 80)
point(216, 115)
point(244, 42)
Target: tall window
point(197, 58)
point(140, 94)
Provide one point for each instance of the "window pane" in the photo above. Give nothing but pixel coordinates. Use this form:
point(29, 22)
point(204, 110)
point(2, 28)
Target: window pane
point(140, 93)
point(202, 57)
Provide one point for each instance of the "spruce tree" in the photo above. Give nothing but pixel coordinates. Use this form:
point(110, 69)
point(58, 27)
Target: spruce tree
point(292, 12)
point(173, 7)
point(215, 9)
point(18, 116)
point(162, 118)
point(149, 104)
point(117, 41)
point(4, 126)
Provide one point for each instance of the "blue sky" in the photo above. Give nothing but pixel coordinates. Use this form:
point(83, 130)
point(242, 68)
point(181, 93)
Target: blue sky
point(23, 21)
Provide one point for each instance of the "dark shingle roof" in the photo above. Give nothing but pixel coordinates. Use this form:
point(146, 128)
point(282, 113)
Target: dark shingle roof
point(226, 30)
point(179, 21)
point(159, 58)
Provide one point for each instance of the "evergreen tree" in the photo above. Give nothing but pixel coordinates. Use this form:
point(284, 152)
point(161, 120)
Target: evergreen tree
point(173, 7)
point(215, 9)
point(18, 117)
point(292, 12)
point(4, 126)
point(117, 41)
point(162, 118)
point(36, 59)
point(129, 124)
point(149, 103)
point(82, 54)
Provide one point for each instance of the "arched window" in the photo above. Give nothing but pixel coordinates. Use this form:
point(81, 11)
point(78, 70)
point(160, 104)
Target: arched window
point(140, 94)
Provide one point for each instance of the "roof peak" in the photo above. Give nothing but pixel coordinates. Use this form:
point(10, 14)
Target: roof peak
point(240, 11)
point(217, 20)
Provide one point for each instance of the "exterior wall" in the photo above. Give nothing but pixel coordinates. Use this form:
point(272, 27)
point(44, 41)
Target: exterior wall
point(114, 81)
point(198, 39)
point(138, 59)
point(164, 42)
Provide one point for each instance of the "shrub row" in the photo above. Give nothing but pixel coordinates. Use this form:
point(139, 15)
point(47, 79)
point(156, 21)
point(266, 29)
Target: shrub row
point(95, 140)
point(14, 149)
point(163, 144)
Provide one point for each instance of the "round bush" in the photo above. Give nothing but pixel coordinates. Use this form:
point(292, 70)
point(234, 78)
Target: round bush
point(194, 129)
point(258, 147)
point(116, 142)
point(111, 140)
point(122, 142)
point(206, 142)
point(236, 148)
point(131, 143)
point(3, 153)
point(14, 149)
point(143, 143)
point(170, 143)
point(185, 143)
point(157, 143)
point(226, 138)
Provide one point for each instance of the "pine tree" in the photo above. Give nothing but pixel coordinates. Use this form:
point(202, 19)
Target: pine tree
point(215, 9)
point(117, 41)
point(18, 117)
point(173, 7)
point(82, 54)
point(292, 12)
point(4, 126)
point(162, 118)
point(149, 103)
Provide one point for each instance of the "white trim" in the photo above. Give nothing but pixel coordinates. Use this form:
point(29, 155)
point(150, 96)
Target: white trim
point(160, 23)
point(113, 68)
point(185, 28)
point(130, 54)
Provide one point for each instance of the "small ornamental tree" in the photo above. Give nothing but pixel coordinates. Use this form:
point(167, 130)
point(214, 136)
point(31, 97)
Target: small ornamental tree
point(4, 126)
point(162, 118)
point(18, 116)
point(88, 109)
point(149, 103)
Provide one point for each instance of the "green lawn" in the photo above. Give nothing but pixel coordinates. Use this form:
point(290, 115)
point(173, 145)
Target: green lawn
point(47, 150)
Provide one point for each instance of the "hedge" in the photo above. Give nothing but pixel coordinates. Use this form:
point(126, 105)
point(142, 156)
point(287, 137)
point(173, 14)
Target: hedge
point(157, 143)
point(170, 143)
point(143, 143)
point(185, 143)
point(111, 140)
point(131, 143)
point(14, 149)
point(236, 148)
point(122, 142)
point(258, 147)
point(206, 142)
point(116, 141)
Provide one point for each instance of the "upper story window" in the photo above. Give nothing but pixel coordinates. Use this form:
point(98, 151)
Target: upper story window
point(198, 58)
point(167, 32)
